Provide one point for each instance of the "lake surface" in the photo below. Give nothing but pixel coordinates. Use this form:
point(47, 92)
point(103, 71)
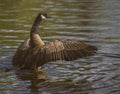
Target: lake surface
point(96, 22)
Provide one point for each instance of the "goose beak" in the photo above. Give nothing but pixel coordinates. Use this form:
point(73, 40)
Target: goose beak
point(48, 17)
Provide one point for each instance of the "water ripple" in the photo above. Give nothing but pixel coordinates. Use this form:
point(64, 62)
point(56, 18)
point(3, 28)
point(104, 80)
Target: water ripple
point(94, 22)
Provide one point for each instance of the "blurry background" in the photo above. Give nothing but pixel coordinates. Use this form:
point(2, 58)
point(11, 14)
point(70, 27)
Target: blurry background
point(96, 22)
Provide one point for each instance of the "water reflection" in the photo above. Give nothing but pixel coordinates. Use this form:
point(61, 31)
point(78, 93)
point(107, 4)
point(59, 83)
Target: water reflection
point(34, 78)
point(93, 21)
point(40, 83)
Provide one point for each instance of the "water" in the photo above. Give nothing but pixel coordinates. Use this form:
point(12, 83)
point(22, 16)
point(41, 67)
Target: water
point(96, 22)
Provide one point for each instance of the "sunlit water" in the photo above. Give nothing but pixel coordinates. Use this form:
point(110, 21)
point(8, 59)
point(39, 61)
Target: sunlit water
point(96, 22)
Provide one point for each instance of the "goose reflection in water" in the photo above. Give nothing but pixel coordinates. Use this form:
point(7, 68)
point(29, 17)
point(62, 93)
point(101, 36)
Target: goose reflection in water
point(39, 82)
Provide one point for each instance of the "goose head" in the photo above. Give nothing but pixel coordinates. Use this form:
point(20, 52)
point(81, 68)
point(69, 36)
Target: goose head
point(44, 15)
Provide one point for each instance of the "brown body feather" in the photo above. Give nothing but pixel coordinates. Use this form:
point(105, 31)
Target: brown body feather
point(33, 53)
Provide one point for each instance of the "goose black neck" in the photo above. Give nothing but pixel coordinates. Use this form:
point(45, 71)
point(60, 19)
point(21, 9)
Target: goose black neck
point(36, 23)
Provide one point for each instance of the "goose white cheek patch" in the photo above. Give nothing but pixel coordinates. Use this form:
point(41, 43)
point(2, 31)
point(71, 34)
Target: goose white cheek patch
point(43, 17)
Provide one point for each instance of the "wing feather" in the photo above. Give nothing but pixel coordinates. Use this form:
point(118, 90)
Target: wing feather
point(27, 57)
point(67, 50)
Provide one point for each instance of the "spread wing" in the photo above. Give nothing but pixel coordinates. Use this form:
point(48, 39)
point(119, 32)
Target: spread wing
point(21, 53)
point(67, 50)
point(27, 57)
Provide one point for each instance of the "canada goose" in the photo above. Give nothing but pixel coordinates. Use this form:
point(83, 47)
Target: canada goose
point(33, 52)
